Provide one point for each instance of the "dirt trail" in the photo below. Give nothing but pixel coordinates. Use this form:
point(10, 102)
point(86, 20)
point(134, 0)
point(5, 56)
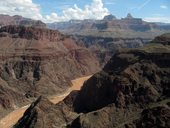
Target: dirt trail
point(9, 120)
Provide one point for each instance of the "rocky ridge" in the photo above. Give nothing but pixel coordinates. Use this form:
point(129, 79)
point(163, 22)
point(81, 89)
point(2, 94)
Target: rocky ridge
point(6, 20)
point(110, 26)
point(43, 109)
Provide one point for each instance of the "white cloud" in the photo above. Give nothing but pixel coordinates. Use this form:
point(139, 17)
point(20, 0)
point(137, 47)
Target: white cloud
point(158, 19)
point(163, 7)
point(95, 10)
point(25, 8)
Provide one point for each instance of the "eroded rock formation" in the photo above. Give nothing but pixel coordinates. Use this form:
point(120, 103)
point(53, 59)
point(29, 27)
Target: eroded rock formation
point(39, 61)
point(19, 20)
point(131, 91)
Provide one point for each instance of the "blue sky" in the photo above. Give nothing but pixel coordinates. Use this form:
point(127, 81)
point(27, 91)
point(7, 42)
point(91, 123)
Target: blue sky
point(63, 10)
point(139, 8)
point(156, 10)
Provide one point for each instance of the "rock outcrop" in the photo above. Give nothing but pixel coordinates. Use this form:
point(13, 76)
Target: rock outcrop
point(158, 117)
point(164, 39)
point(109, 17)
point(39, 61)
point(19, 20)
point(53, 116)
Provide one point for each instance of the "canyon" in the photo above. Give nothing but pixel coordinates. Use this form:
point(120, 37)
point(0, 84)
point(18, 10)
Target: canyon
point(131, 91)
point(46, 81)
point(38, 61)
point(9, 120)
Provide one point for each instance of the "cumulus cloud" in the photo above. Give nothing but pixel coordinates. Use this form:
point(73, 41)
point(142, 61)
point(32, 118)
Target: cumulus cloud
point(25, 8)
point(95, 10)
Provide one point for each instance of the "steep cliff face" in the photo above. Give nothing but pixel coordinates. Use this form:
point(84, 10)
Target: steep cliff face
point(36, 61)
point(128, 78)
point(105, 47)
point(43, 110)
point(19, 20)
point(131, 91)
point(31, 33)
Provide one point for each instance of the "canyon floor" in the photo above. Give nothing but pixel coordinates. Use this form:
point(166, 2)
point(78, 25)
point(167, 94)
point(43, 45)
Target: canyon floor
point(9, 120)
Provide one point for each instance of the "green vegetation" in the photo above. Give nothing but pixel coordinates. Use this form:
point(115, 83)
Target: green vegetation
point(166, 35)
point(156, 48)
point(150, 48)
